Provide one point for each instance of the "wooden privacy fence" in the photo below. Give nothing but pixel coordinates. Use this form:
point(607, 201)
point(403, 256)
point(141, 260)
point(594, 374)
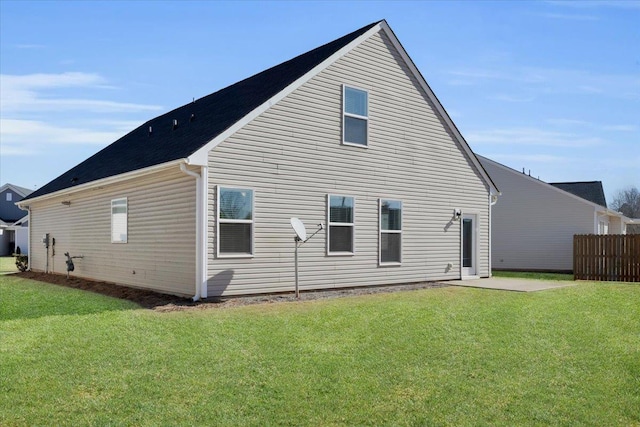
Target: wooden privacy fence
point(607, 257)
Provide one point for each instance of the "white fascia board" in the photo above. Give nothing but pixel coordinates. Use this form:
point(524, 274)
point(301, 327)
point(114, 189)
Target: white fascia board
point(436, 102)
point(612, 213)
point(24, 204)
point(201, 156)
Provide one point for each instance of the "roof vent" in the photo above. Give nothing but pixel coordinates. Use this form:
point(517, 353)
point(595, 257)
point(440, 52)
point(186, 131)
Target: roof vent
point(74, 179)
point(175, 124)
point(150, 130)
point(192, 118)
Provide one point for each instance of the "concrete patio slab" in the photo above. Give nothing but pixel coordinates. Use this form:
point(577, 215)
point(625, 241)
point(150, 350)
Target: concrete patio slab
point(512, 284)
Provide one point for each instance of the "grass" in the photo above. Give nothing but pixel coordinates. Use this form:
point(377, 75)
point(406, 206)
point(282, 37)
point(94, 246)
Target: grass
point(449, 356)
point(8, 265)
point(533, 275)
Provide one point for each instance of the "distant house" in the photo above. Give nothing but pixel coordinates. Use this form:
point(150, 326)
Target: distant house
point(14, 229)
point(198, 201)
point(533, 225)
point(588, 190)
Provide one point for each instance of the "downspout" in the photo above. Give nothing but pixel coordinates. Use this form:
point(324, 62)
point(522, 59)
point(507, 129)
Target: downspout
point(30, 246)
point(199, 229)
point(493, 199)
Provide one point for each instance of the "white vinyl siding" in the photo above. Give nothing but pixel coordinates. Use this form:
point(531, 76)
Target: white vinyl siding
point(355, 119)
point(119, 221)
point(533, 223)
point(161, 239)
point(390, 232)
point(292, 157)
point(341, 230)
point(235, 222)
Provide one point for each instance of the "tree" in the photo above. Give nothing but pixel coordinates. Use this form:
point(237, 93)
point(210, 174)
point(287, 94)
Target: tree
point(627, 201)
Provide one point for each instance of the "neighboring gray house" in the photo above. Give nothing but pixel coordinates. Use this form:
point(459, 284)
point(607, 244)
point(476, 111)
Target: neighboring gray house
point(197, 202)
point(533, 225)
point(13, 220)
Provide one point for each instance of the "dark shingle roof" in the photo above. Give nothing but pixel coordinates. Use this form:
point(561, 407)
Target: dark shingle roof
point(198, 122)
point(591, 191)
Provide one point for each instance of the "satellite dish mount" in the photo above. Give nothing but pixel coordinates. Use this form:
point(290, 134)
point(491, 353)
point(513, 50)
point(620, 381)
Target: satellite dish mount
point(300, 239)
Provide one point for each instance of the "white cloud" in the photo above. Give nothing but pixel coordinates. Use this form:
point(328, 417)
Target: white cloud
point(27, 134)
point(570, 17)
point(34, 113)
point(527, 158)
point(591, 125)
point(591, 4)
point(511, 98)
point(29, 93)
point(532, 137)
point(552, 80)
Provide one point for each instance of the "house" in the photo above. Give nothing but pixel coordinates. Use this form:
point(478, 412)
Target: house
point(198, 201)
point(13, 220)
point(588, 190)
point(532, 227)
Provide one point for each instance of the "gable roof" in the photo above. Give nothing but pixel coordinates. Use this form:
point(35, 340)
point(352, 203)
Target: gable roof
point(189, 132)
point(16, 189)
point(591, 190)
point(156, 141)
point(600, 209)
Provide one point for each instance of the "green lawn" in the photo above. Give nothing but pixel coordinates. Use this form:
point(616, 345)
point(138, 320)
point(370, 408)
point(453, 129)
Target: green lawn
point(8, 265)
point(449, 356)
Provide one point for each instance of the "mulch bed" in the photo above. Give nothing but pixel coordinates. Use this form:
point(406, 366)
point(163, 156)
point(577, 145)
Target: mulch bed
point(162, 302)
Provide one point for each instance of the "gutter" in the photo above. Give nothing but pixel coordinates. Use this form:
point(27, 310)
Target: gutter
point(24, 203)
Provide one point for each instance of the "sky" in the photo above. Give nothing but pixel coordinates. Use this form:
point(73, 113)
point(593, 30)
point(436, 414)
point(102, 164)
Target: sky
point(549, 86)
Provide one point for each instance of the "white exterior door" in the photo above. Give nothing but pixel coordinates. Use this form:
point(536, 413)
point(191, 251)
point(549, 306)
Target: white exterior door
point(469, 245)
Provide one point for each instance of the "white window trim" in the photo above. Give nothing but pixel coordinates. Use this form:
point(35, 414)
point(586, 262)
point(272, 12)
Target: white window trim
point(345, 114)
point(126, 200)
point(252, 221)
point(381, 231)
point(341, 224)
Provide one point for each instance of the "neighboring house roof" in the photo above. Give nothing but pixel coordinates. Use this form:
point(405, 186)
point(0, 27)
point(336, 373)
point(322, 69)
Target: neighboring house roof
point(600, 208)
point(17, 189)
point(591, 190)
point(190, 131)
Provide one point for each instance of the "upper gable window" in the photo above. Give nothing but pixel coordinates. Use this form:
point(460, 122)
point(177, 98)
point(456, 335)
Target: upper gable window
point(9, 196)
point(355, 120)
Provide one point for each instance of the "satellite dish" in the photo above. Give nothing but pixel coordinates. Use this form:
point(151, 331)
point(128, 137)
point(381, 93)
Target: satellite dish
point(298, 227)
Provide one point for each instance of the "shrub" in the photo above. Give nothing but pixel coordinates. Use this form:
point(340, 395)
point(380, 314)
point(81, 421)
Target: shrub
point(22, 262)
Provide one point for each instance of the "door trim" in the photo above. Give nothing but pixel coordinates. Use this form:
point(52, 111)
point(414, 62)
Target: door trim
point(470, 272)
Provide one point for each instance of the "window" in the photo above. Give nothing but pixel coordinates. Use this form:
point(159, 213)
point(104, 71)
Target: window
point(119, 221)
point(355, 120)
point(235, 222)
point(390, 232)
point(9, 196)
point(340, 236)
